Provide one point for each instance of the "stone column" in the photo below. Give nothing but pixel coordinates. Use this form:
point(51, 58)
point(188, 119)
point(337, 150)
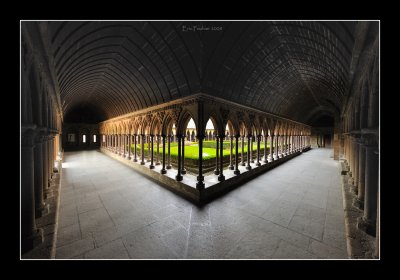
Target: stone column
point(183, 155)
point(258, 150)
point(271, 152)
point(124, 145)
point(359, 200)
point(216, 171)
point(152, 152)
point(242, 160)
point(237, 171)
point(169, 152)
point(248, 167)
point(286, 152)
point(368, 221)
point(221, 176)
point(148, 148)
point(142, 149)
point(200, 178)
point(45, 148)
point(251, 150)
point(158, 150)
point(277, 147)
point(163, 170)
point(231, 167)
point(179, 175)
point(41, 208)
point(134, 148)
point(30, 235)
point(265, 160)
point(129, 146)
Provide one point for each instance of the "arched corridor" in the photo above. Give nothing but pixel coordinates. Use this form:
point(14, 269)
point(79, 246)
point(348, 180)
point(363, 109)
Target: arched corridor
point(234, 140)
point(109, 211)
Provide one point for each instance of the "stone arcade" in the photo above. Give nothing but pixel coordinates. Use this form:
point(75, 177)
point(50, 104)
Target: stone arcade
point(303, 95)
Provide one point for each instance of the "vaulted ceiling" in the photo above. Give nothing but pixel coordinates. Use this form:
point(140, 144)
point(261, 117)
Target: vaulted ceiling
point(295, 69)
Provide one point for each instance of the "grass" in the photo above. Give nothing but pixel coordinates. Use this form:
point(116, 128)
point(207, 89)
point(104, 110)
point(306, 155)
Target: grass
point(192, 150)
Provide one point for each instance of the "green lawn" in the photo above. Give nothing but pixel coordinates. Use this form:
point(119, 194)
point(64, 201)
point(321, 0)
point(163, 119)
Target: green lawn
point(192, 150)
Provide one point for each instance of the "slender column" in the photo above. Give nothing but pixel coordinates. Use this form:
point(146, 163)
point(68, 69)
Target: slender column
point(359, 200)
point(158, 150)
point(179, 175)
point(148, 148)
point(216, 171)
point(221, 176)
point(368, 221)
point(251, 150)
point(183, 155)
point(242, 160)
point(30, 236)
point(134, 148)
point(231, 167)
point(129, 145)
point(123, 145)
point(258, 150)
point(152, 152)
point(277, 147)
point(356, 156)
point(169, 152)
point(142, 150)
point(286, 145)
point(200, 178)
point(265, 160)
point(40, 206)
point(163, 170)
point(117, 144)
point(237, 171)
point(248, 167)
point(271, 152)
point(45, 164)
point(51, 157)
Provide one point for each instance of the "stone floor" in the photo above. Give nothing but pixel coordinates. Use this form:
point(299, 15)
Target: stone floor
point(108, 210)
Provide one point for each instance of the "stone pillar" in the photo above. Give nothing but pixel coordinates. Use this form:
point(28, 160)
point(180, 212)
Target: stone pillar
point(248, 167)
point(158, 150)
point(142, 149)
point(123, 145)
point(237, 171)
point(134, 148)
point(216, 171)
point(30, 235)
point(148, 148)
point(286, 145)
point(251, 150)
point(265, 160)
point(41, 208)
point(45, 147)
point(221, 176)
point(258, 150)
point(368, 221)
point(129, 146)
point(179, 176)
point(152, 152)
point(359, 200)
point(242, 160)
point(163, 170)
point(271, 152)
point(200, 178)
point(231, 167)
point(169, 152)
point(183, 155)
point(277, 147)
